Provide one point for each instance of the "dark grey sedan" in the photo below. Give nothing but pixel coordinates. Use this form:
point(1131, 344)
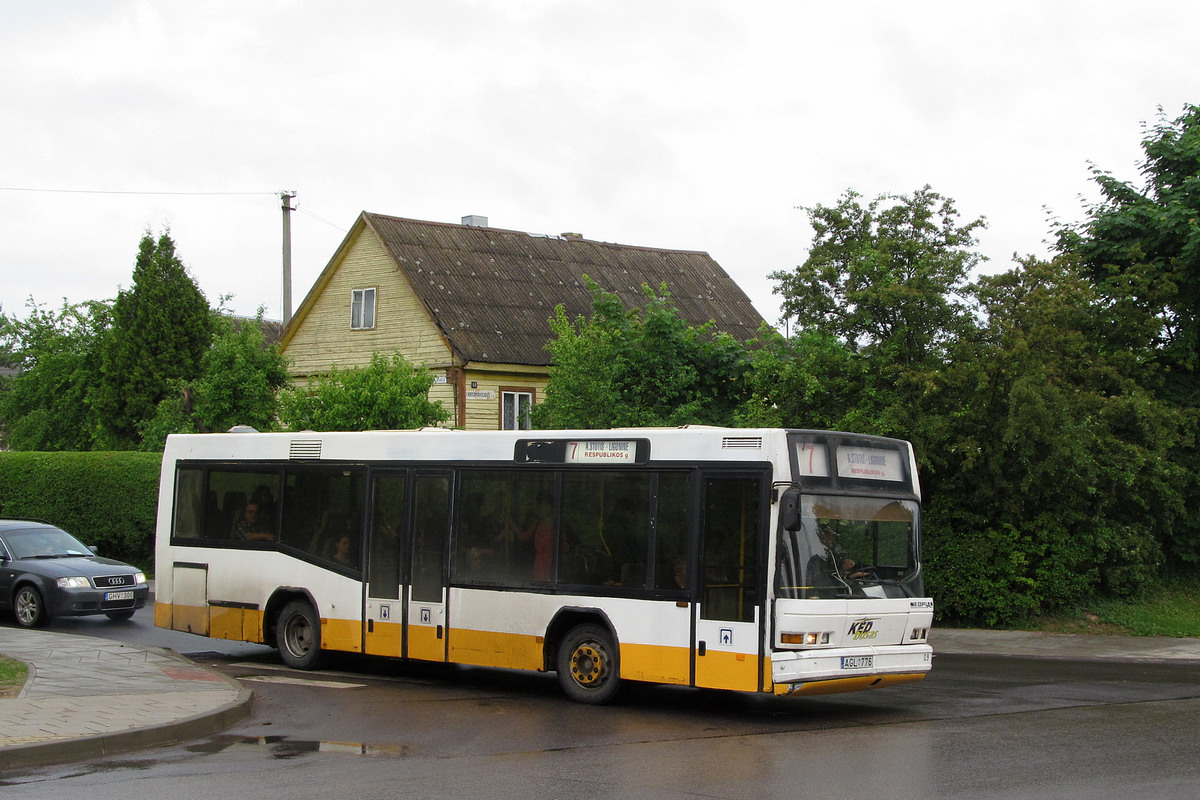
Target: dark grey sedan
point(46, 572)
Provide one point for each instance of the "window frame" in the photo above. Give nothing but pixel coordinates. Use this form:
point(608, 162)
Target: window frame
point(517, 392)
point(362, 305)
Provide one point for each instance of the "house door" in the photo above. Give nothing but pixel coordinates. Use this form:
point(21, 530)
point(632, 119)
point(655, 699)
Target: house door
point(728, 640)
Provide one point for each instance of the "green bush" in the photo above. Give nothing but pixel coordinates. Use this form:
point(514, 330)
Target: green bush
point(104, 499)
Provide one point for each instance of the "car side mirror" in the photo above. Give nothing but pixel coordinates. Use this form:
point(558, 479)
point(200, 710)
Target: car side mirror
point(95, 550)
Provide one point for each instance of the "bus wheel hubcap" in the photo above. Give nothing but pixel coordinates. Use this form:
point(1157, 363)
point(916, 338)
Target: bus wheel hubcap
point(587, 664)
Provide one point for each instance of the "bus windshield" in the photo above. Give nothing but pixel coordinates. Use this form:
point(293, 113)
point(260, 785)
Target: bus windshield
point(850, 547)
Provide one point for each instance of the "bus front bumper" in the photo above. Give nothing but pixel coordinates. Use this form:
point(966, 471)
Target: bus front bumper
point(848, 668)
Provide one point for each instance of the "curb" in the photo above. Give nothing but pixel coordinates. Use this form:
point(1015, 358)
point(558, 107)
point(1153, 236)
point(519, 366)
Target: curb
point(41, 754)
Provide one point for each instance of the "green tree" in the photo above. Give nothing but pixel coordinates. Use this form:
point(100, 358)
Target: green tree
point(56, 354)
point(881, 300)
point(241, 377)
point(1141, 248)
point(387, 394)
point(161, 328)
point(812, 380)
point(888, 276)
point(645, 366)
point(1053, 481)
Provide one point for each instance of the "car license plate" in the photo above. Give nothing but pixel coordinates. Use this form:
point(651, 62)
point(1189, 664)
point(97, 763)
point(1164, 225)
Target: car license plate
point(858, 662)
point(109, 596)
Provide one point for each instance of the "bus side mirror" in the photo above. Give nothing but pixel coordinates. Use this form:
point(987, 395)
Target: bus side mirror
point(789, 510)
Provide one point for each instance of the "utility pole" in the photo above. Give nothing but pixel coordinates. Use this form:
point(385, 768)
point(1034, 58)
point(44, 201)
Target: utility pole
point(286, 196)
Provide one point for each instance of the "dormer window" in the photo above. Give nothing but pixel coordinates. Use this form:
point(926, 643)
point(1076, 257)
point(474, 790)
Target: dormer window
point(362, 309)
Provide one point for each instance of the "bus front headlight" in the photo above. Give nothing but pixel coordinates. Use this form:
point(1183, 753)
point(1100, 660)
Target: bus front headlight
point(808, 639)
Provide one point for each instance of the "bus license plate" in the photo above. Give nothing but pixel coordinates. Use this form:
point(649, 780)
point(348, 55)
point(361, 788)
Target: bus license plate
point(858, 662)
point(110, 596)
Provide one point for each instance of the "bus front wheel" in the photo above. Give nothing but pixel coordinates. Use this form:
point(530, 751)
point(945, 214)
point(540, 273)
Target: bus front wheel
point(588, 665)
point(298, 634)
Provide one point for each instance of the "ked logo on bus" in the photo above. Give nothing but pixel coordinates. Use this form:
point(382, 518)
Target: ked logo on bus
point(862, 629)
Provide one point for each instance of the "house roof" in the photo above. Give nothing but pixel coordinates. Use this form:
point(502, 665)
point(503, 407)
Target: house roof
point(492, 291)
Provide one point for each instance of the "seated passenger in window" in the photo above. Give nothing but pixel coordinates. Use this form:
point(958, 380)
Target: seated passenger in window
point(250, 527)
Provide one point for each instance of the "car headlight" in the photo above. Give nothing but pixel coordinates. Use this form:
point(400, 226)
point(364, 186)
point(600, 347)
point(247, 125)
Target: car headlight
point(139, 577)
point(75, 582)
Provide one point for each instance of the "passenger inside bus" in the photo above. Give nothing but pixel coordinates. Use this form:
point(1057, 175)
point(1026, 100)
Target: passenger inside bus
point(250, 526)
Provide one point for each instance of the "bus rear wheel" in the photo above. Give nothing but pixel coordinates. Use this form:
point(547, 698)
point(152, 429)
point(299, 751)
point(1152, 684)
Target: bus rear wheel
point(588, 665)
point(298, 634)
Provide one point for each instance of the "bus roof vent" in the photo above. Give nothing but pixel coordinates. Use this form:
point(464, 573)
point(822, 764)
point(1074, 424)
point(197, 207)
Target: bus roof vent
point(305, 449)
point(742, 443)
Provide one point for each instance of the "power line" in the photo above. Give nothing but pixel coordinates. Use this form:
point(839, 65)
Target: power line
point(110, 191)
point(302, 210)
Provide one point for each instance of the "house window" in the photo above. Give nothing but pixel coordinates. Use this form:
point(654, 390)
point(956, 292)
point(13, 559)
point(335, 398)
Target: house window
point(362, 309)
point(514, 411)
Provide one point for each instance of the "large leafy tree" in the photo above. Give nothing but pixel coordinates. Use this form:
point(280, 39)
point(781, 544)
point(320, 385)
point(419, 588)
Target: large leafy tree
point(387, 394)
point(1053, 479)
point(641, 366)
point(1140, 245)
point(56, 356)
point(1140, 248)
point(880, 302)
point(241, 377)
point(161, 328)
point(888, 276)
point(812, 380)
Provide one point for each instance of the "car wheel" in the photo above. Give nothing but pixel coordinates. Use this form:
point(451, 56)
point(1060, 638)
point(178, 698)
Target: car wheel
point(29, 607)
point(588, 665)
point(298, 634)
point(119, 616)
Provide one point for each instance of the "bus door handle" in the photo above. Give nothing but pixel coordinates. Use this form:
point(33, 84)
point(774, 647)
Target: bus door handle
point(701, 648)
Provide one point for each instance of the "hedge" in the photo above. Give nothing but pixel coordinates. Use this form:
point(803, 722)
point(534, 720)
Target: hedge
point(108, 500)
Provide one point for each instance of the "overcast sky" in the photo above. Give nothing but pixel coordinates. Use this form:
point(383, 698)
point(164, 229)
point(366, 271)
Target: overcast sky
point(691, 125)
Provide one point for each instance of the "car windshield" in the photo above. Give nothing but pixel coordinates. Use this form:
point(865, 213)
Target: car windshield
point(44, 543)
point(851, 547)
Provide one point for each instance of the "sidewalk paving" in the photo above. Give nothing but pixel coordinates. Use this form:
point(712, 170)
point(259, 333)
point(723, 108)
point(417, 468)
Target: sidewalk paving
point(88, 697)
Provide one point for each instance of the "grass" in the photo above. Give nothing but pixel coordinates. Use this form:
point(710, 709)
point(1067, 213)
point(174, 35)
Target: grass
point(12, 676)
point(1170, 609)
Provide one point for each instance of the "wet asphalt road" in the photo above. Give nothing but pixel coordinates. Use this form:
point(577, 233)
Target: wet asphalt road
point(978, 727)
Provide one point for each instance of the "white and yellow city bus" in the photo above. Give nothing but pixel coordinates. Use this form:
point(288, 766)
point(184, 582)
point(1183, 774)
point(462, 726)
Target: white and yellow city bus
point(784, 561)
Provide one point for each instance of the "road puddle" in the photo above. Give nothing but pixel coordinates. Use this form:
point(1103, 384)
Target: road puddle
point(284, 748)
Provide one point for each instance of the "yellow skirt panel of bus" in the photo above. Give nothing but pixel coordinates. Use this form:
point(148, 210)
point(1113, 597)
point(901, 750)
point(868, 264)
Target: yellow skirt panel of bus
point(162, 615)
point(847, 684)
point(238, 624)
point(189, 619)
point(490, 649)
point(656, 664)
point(424, 644)
point(385, 639)
point(341, 634)
point(738, 672)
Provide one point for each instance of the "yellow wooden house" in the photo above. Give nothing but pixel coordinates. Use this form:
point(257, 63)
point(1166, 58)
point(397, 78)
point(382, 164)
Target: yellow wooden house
point(472, 304)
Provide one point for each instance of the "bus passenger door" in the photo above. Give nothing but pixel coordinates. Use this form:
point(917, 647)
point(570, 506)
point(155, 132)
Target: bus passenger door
point(383, 613)
point(426, 621)
point(728, 627)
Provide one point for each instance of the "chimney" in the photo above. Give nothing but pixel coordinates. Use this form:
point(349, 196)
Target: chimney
point(475, 221)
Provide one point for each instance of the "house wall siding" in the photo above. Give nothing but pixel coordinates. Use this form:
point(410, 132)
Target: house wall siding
point(483, 401)
point(401, 321)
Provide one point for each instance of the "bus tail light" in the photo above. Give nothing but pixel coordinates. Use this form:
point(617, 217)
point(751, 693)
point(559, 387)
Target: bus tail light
point(919, 634)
